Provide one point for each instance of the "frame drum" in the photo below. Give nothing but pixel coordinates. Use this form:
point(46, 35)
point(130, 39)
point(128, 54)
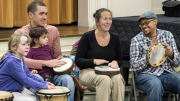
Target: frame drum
point(6, 96)
point(58, 94)
point(156, 54)
point(105, 70)
point(64, 69)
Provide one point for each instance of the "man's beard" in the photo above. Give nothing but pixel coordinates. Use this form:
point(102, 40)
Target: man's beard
point(148, 34)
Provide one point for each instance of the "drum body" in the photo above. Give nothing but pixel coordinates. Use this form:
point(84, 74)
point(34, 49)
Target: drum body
point(58, 94)
point(105, 70)
point(54, 98)
point(6, 96)
point(65, 69)
point(156, 54)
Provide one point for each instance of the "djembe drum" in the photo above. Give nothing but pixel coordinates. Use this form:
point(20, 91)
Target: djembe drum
point(105, 70)
point(156, 54)
point(6, 96)
point(58, 94)
point(64, 69)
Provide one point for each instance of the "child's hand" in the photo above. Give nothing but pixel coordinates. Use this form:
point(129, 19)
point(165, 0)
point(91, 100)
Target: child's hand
point(34, 71)
point(51, 86)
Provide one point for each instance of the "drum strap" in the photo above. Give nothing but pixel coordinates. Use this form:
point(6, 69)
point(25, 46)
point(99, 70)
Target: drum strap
point(48, 97)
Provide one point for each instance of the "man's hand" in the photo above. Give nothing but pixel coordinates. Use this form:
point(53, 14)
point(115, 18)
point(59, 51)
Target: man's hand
point(153, 42)
point(100, 61)
point(113, 65)
point(54, 63)
point(169, 52)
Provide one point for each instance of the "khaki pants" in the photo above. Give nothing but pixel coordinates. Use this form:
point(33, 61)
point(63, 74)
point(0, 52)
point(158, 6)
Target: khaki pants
point(103, 85)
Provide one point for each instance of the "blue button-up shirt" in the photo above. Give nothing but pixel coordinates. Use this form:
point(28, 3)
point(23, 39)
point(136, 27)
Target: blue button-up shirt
point(140, 45)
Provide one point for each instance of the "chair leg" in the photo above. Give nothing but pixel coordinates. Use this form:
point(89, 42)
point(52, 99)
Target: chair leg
point(78, 94)
point(135, 96)
point(131, 91)
point(134, 88)
point(129, 96)
point(126, 75)
point(176, 99)
point(169, 96)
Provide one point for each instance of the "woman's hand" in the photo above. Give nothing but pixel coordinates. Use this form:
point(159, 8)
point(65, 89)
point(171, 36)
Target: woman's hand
point(100, 61)
point(113, 65)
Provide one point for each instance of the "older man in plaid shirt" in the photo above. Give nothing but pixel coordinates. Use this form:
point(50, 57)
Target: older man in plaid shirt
point(154, 80)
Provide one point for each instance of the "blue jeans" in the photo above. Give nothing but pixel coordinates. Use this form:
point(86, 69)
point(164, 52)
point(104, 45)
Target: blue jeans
point(154, 86)
point(62, 80)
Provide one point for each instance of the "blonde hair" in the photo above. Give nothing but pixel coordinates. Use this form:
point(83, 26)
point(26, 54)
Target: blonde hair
point(14, 41)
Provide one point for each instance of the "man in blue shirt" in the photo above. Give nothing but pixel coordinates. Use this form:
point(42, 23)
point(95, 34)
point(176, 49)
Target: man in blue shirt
point(154, 80)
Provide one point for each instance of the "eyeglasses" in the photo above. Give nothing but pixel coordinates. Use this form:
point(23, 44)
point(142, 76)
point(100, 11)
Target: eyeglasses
point(145, 23)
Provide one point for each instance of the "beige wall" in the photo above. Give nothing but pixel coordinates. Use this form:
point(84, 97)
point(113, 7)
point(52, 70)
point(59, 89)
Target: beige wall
point(86, 9)
point(120, 8)
point(157, 6)
point(136, 7)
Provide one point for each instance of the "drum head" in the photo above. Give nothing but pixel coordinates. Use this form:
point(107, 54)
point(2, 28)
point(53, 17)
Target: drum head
point(55, 92)
point(156, 54)
point(106, 68)
point(63, 68)
point(5, 95)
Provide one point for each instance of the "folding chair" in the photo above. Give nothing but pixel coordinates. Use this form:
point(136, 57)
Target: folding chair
point(133, 89)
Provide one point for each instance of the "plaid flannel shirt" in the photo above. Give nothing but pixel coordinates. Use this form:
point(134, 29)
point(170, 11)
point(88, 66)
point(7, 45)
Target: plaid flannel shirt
point(140, 45)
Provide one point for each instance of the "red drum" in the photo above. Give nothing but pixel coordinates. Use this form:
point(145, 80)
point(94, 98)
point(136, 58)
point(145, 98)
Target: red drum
point(6, 96)
point(105, 70)
point(65, 69)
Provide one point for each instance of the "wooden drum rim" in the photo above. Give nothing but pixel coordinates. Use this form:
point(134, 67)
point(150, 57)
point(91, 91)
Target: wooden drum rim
point(150, 51)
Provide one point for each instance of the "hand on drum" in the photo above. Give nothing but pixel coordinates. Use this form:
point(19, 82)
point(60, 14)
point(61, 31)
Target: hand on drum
point(54, 63)
point(113, 65)
point(153, 42)
point(100, 61)
point(51, 86)
point(169, 52)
